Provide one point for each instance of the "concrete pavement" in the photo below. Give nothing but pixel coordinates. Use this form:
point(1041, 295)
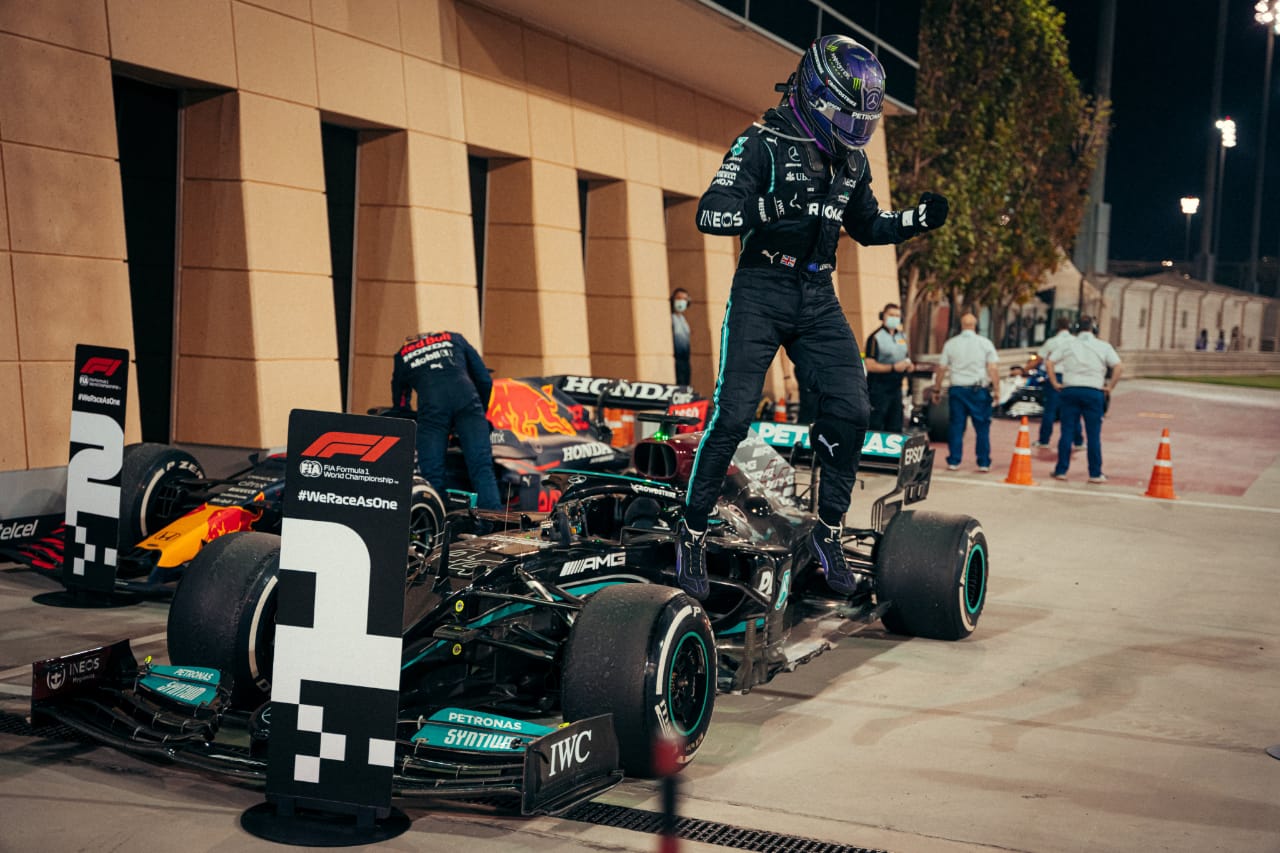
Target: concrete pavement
point(1117, 696)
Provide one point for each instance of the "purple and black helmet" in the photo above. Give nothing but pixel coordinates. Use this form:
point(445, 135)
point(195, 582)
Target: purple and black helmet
point(838, 93)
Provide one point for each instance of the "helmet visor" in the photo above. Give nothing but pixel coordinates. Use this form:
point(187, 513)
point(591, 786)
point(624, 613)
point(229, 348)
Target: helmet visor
point(852, 128)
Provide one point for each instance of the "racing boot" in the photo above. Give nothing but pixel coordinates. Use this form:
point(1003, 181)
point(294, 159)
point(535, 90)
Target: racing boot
point(825, 542)
point(691, 562)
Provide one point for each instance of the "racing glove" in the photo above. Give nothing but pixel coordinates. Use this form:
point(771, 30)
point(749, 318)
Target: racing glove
point(930, 213)
point(771, 207)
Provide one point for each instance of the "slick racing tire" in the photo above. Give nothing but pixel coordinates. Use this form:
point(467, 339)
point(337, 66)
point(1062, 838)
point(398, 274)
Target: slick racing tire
point(939, 418)
point(151, 494)
point(426, 518)
point(224, 613)
point(646, 655)
point(932, 568)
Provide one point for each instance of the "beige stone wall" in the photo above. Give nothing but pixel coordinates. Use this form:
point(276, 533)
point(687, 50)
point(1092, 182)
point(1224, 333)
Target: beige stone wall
point(62, 273)
point(427, 82)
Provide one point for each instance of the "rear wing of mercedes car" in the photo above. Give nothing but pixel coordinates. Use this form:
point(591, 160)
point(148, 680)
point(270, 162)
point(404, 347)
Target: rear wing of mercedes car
point(908, 457)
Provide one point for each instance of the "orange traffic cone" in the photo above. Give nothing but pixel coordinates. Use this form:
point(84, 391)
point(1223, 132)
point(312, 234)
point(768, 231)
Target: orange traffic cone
point(780, 411)
point(1161, 485)
point(1020, 464)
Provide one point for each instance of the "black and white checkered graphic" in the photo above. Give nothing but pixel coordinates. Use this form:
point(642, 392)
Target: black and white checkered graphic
point(336, 672)
point(94, 467)
point(88, 553)
point(343, 747)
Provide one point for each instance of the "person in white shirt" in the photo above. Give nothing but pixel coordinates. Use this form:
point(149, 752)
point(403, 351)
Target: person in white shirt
point(1051, 413)
point(974, 367)
point(1083, 364)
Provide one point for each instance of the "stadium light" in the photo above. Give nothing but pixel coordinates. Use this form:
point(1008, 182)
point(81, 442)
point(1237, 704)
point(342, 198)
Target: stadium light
point(1190, 204)
point(1227, 128)
point(1267, 14)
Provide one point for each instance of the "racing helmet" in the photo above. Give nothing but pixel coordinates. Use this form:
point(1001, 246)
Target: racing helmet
point(838, 92)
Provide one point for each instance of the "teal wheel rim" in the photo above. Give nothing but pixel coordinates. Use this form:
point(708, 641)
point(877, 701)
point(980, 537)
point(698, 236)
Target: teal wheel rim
point(689, 685)
point(975, 582)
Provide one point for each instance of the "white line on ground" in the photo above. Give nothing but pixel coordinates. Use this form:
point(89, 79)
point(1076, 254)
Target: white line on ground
point(25, 671)
point(1104, 492)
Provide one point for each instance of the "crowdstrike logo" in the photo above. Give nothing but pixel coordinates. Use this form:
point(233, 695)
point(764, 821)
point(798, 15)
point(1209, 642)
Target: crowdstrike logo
point(367, 448)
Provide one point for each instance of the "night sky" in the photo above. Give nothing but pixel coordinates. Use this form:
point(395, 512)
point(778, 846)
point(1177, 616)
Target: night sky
point(1161, 89)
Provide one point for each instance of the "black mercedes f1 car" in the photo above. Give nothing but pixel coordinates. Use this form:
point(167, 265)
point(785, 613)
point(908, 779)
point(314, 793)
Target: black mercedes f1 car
point(572, 614)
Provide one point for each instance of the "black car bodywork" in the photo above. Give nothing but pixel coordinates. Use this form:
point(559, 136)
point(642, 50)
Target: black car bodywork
point(574, 614)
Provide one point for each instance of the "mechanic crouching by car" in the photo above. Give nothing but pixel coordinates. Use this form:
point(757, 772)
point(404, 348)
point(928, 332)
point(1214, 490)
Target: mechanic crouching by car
point(453, 388)
point(886, 365)
point(787, 186)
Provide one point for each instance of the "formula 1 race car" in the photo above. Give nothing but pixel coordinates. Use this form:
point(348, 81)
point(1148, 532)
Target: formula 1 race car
point(170, 510)
point(571, 614)
point(541, 423)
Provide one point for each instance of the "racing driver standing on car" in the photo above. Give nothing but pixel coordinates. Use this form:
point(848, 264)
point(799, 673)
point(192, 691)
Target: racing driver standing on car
point(453, 387)
point(786, 187)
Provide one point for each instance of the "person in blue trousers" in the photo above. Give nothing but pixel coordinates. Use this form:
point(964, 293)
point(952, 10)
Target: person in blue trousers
point(974, 367)
point(453, 388)
point(1085, 364)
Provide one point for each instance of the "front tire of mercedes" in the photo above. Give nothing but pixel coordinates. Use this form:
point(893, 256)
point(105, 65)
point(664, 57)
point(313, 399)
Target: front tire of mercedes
point(645, 654)
point(224, 613)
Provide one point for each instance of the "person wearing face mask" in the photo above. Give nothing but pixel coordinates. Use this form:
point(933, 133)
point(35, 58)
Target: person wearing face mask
point(887, 363)
point(680, 333)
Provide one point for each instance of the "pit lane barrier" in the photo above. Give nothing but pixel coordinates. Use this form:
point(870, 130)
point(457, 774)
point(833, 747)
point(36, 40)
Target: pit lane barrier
point(1020, 464)
point(1161, 485)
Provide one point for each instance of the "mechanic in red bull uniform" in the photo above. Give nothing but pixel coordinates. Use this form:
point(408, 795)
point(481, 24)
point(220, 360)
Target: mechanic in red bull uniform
point(786, 187)
point(453, 388)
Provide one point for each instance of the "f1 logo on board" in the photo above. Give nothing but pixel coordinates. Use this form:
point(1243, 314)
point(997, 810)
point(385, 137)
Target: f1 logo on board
point(97, 364)
point(369, 448)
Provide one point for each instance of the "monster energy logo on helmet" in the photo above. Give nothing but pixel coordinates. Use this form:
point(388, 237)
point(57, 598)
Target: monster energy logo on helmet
point(838, 93)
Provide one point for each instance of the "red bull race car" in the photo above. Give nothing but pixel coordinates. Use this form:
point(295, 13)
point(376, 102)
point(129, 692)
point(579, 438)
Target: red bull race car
point(544, 423)
point(571, 615)
point(170, 510)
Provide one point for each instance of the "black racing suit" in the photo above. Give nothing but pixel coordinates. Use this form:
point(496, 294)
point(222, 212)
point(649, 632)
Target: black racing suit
point(453, 388)
point(783, 295)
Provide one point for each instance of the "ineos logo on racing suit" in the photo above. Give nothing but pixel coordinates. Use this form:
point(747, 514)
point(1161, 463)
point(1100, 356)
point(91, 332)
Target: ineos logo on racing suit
point(721, 219)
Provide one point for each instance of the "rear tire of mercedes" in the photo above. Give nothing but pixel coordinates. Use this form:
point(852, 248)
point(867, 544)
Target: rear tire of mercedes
point(645, 654)
point(932, 568)
point(224, 613)
point(149, 474)
point(939, 418)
